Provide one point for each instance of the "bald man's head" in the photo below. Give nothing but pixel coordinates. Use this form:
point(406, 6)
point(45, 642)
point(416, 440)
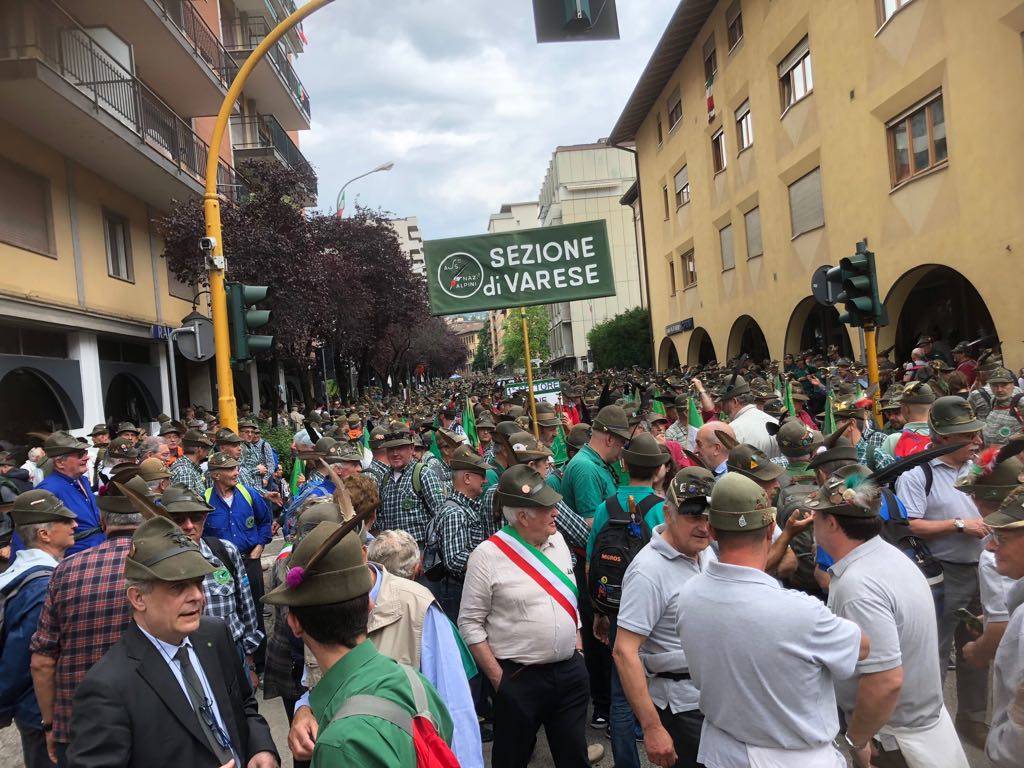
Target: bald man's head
point(709, 448)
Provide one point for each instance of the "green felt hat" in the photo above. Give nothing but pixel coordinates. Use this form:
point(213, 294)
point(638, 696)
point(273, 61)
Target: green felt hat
point(61, 444)
point(847, 492)
point(952, 415)
point(1010, 515)
point(613, 420)
point(739, 504)
point(162, 551)
point(322, 571)
point(522, 486)
point(526, 447)
point(644, 451)
point(39, 506)
point(465, 458)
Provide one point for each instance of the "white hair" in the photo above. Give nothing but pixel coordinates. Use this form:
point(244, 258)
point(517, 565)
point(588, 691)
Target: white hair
point(37, 455)
point(30, 531)
point(512, 513)
point(397, 551)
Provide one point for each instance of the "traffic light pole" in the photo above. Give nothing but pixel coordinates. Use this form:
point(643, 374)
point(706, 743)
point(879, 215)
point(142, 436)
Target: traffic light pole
point(226, 408)
point(871, 347)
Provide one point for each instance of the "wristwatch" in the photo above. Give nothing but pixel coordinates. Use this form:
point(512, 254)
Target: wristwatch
point(958, 523)
point(848, 743)
point(47, 727)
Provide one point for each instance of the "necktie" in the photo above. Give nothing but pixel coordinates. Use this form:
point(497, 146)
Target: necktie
point(203, 708)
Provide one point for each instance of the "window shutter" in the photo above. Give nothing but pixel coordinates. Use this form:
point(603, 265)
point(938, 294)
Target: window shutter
point(732, 12)
point(725, 238)
point(25, 209)
point(794, 56)
point(682, 178)
point(806, 209)
point(709, 46)
point(752, 220)
point(744, 108)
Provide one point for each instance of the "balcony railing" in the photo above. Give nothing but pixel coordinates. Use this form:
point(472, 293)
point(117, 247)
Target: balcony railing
point(185, 16)
point(264, 132)
point(243, 35)
point(42, 31)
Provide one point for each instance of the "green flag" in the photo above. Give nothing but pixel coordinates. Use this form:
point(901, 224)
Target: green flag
point(620, 470)
point(788, 398)
point(693, 414)
point(469, 425)
point(297, 468)
point(830, 416)
point(434, 447)
point(559, 448)
point(658, 407)
point(365, 439)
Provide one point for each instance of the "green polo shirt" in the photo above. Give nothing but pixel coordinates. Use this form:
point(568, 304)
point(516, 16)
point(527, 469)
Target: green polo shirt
point(588, 480)
point(554, 480)
point(798, 470)
point(366, 741)
point(493, 474)
point(655, 515)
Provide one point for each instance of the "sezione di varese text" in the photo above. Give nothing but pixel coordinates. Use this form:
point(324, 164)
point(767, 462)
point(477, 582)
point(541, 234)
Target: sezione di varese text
point(541, 276)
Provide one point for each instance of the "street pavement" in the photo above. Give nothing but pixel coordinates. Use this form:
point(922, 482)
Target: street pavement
point(273, 711)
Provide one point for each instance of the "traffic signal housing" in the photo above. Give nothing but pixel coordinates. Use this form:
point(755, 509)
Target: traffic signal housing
point(858, 283)
point(243, 318)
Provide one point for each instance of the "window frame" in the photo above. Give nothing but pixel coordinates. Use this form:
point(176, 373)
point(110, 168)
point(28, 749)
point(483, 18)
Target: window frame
point(660, 129)
point(675, 100)
point(880, 7)
point(786, 78)
point(687, 260)
point(742, 115)
point(732, 247)
point(925, 105)
point(719, 137)
point(709, 77)
point(821, 193)
point(683, 191)
point(731, 20)
point(46, 189)
point(746, 233)
point(109, 217)
point(672, 276)
point(664, 195)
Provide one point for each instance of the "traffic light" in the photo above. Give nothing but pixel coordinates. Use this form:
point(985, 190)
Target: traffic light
point(564, 20)
point(859, 290)
point(242, 320)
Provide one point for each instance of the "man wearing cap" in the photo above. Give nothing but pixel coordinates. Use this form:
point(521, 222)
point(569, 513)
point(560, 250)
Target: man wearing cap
point(252, 468)
point(128, 431)
point(915, 403)
point(402, 504)
point(100, 437)
point(681, 430)
point(447, 442)
point(953, 529)
point(485, 432)
point(173, 686)
point(67, 482)
point(84, 614)
point(983, 394)
point(964, 362)
point(171, 432)
point(503, 456)
point(46, 527)
point(187, 471)
point(747, 421)
point(1005, 742)
point(379, 466)
point(519, 617)
point(156, 475)
point(755, 648)
point(329, 608)
point(13, 479)
point(1003, 417)
point(649, 659)
point(895, 699)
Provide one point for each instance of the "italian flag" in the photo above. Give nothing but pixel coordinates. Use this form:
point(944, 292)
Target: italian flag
point(535, 564)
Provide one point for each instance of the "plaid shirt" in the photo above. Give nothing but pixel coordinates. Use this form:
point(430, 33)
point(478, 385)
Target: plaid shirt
point(574, 529)
point(489, 452)
point(230, 600)
point(402, 509)
point(185, 472)
point(247, 471)
point(459, 527)
point(869, 450)
point(444, 474)
point(84, 614)
point(377, 470)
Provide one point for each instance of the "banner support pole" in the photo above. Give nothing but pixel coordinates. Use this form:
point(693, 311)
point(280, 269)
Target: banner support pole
point(529, 373)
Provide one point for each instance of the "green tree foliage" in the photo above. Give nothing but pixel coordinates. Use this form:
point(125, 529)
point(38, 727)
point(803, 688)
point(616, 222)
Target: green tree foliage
point(623, 341)
point(537, 322)
point(483, 360)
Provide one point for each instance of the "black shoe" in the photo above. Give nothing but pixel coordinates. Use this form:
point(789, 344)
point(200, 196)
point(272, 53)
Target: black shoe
point(599, 721)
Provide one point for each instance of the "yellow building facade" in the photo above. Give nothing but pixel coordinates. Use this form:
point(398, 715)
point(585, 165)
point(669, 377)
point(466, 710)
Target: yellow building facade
point(773, 136)
point(104, 122)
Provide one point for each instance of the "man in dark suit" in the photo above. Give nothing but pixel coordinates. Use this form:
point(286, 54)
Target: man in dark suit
point(172, 690)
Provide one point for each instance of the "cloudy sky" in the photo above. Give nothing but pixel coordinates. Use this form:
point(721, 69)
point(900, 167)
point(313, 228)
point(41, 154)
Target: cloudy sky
point(461, 97)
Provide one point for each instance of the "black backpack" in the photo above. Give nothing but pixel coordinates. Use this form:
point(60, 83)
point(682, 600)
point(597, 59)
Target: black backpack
point(615, 546)
point(896, 531)
point(793, 497)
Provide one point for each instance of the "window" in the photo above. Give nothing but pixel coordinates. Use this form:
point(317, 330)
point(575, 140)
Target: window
point(177, 288)
point(26, 219)
point(718, 150)
point(744, 126)
point(917, 140)
point(119, 248)
point(888, 8)
point(675, 110)
point(672, 276)
point(661, 132)
point(689, 270)
point(682, 183)
point(664, 195)
point(725, 241)
point(710, 63)
point(806, 211)
point(734, 24)
point(752, 223)
point(795, 80)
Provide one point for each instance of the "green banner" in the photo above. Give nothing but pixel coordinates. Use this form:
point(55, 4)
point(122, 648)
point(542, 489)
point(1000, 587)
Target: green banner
point(516, 269)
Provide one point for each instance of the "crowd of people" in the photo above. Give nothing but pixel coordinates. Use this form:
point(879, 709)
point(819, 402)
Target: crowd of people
point(756, 564)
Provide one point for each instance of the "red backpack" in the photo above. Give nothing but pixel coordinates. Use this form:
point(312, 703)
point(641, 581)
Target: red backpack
point(910, 443)
point(432, 751)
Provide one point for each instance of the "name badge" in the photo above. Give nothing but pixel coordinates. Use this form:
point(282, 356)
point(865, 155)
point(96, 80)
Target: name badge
point(222, 576)
point(250, 522)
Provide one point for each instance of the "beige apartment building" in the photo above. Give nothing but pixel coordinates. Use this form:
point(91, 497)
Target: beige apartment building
point(509, 218)
point(105, 119)
point(410, 239)
point(772, 136)
point(585, 182)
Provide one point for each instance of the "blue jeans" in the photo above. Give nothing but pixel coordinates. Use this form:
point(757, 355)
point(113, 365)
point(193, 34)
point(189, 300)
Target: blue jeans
point(623, 723)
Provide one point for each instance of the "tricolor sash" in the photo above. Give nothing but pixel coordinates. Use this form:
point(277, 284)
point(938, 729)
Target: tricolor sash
point(535, 564)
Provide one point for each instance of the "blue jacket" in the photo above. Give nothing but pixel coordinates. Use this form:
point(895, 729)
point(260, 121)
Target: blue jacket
point(82, 504)
point(246, 524)
point(21, 617)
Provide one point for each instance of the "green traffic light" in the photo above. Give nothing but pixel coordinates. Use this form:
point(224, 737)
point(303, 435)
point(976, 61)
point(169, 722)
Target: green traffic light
point(242, 319)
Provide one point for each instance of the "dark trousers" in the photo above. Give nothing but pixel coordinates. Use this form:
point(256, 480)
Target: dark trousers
point(254, 571)
point(553, 695)
point(448, 593)
point(684, 728)
point(892, 759)
point(33, 747)
point(62, 754)
point(962, 591)
point(289, 710)
point(597, 655)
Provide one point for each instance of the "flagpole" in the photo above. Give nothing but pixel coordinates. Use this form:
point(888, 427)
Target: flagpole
point(529, 372)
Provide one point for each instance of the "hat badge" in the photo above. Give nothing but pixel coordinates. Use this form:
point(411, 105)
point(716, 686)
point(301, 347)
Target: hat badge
point(526, 489)
point(742, 522)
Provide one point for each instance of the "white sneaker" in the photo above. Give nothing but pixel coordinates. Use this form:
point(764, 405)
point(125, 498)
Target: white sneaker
point(595, 752)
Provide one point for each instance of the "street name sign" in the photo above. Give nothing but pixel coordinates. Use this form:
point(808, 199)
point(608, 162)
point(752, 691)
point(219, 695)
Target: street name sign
point(515, 269)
